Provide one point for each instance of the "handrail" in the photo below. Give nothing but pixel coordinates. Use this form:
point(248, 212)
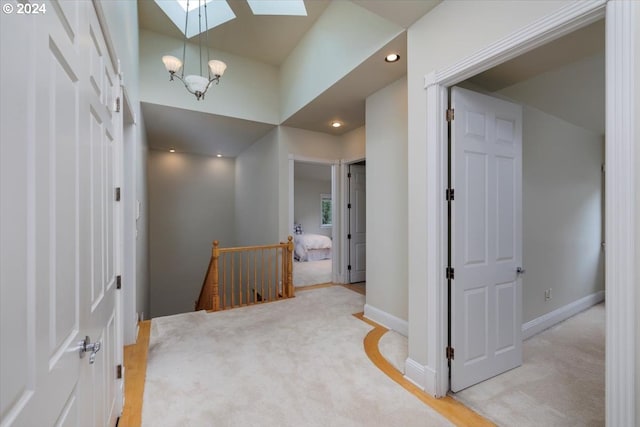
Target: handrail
point(247, 275)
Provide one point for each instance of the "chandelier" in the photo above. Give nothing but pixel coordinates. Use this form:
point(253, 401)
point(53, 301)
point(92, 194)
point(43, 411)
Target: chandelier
point(195, 84)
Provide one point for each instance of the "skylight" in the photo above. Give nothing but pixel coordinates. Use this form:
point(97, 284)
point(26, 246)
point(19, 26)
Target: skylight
point(218, 12)
point(193, 4)
point(278, 7)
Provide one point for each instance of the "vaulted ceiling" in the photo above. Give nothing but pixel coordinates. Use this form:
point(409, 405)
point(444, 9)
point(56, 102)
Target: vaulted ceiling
point(271, 39)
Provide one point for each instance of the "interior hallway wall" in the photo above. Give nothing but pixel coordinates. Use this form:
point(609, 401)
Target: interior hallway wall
point(426, 53)
point(562, 213)
point(191, 199)
point(386, 129)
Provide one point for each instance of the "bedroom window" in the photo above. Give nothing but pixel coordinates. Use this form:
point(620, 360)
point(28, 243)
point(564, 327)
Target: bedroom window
point(325, 210)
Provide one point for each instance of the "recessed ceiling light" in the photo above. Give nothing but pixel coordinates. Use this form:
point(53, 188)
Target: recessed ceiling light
point(336, 124)
point(392, 57)
point(218, 155)
point(172, 150)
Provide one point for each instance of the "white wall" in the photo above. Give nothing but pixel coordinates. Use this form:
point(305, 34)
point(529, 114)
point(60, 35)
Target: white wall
point(342, 38)
point(636, 41)
point(306, 210)
point(191, 202)
point(257, 200)
point(562, 212)
point(386, 128)
point(248, 90)
point(483, 23)
point(354, 144)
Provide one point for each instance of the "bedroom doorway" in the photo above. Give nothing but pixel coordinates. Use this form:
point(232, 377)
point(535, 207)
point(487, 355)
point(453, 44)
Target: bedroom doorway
point(312, 223)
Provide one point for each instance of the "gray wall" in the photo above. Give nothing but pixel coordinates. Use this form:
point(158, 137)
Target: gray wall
point(306, 209)
point(387, 198)
point(257, 192)
point(191, 202)
point(562, 212)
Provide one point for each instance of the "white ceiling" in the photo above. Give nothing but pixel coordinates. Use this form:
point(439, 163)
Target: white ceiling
point(199, 133)
point(270, 39)
point(565, 78)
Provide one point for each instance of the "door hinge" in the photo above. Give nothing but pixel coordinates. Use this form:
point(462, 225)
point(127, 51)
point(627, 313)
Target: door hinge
point(348, 205)
point(450, 114)
point(450, 273)
point(349, 267)
point(450, 194)
point(118, 281)
point(117, 104)
point(349, 236)
point(119, 371)
point(349, 175)
point(450, 353)
point(117, 194)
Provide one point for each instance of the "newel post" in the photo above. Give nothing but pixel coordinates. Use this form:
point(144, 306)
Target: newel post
point(290, 291)
point(215, 254)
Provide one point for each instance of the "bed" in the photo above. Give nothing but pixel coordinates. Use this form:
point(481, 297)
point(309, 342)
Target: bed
point(311, 247)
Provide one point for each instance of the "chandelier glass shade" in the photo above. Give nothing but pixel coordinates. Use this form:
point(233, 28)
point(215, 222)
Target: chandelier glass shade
point(197, 84)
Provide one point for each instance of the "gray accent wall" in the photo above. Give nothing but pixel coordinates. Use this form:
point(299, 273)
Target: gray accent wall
point(191, 201)
point(306, 209)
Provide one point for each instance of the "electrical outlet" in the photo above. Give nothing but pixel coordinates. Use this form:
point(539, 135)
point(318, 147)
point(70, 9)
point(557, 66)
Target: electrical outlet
point(547, 294)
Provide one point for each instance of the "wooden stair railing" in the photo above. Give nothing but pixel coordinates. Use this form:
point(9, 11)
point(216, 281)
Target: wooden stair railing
point(247, 275)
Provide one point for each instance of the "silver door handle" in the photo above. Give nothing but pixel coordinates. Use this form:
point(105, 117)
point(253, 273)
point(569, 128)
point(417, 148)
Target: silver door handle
point(86, 346)
point(520, 270)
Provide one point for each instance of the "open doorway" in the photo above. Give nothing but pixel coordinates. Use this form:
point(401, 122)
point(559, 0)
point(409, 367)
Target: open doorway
point(312, 223)
point(560, 87)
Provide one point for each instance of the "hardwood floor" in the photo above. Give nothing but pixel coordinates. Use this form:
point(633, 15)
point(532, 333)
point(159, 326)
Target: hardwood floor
point(360, 287)
point(448, 407)
point(135, 371)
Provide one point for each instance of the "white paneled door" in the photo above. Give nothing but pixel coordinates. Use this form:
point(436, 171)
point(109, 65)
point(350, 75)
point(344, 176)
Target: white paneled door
point(486, 240)
point(357, 223)
point(59, 221)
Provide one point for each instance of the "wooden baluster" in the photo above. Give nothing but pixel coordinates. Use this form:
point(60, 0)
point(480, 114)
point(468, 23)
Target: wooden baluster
point(224, 281)
point(264, 296)
point(290, 288)
point(233, 282)
point(249, 279)
point(275, 274)
point(215, 254)
point(240, 278)
point(269, 273)
point(255, 276)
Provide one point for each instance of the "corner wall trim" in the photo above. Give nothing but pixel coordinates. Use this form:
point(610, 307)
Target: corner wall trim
point(387, 320)
point(556, 316)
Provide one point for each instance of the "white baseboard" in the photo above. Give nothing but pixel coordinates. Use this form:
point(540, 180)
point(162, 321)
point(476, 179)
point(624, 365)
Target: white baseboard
point(422, 376)
point(387, 320)
point(546, 321)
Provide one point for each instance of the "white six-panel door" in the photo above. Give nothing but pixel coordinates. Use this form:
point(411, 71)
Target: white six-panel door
point(357, 223)
point(58, 219)
point(486, 242)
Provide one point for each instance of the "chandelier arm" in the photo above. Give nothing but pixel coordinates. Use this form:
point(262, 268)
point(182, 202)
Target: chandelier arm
point(206, 36)
point(200, 32)
point(184, 43)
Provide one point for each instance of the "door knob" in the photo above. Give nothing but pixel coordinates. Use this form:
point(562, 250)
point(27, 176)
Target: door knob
point(520, 270)
point(86, 346)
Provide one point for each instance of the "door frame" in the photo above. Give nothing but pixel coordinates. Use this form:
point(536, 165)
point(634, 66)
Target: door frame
point(620, 220)
point(344, 212)
point(336, 227)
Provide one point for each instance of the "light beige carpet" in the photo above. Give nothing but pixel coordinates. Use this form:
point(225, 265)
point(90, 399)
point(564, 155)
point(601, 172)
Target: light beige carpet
point(297, 362)
point(311, 272)
point(561, 382)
